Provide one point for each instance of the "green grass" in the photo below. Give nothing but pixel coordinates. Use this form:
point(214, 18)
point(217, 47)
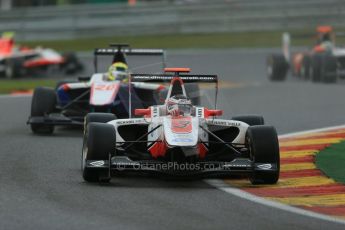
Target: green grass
point(214, 40)
point(8, 86)
point(332, 161)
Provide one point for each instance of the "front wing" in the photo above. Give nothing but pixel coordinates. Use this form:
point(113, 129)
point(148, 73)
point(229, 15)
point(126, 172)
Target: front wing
point(56, 119)
point(238, 166)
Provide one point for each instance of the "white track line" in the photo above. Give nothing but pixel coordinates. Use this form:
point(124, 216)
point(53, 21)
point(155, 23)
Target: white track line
point(221, 185)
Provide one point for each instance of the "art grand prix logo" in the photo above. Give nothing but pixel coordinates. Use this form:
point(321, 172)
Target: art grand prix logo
point(181, 124)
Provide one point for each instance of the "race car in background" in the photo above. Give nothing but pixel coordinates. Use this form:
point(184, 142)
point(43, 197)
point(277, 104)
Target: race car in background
point(17, 61)
point(324, 63)
point(188, 142)
point(70, 101)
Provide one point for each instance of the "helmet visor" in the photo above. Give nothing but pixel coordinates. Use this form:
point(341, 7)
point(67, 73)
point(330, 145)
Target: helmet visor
point(119, 75)
point(185, 109)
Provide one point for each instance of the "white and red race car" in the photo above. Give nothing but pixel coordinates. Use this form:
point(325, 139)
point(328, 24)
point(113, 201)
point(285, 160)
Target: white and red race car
point(187, 144)
point(17, 61)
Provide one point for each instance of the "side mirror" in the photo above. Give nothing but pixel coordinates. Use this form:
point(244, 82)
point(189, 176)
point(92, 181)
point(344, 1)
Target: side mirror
point(213, 112)
point(142, 112)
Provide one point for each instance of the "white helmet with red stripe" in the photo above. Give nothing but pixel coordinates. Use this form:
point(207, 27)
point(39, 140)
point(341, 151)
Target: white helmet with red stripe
point(179, 105)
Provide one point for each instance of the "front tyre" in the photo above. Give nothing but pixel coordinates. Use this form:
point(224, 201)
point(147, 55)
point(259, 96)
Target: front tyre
point(262, 142)
point(98, 117)
point(98, 145)
point(43, 103)
point(277, 67)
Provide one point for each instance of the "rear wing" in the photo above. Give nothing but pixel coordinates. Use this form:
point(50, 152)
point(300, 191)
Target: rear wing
point(186, 78)
point(170, 78)
point(129, 52)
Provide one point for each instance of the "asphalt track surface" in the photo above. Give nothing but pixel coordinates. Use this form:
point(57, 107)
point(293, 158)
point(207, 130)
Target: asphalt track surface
point(41, 185)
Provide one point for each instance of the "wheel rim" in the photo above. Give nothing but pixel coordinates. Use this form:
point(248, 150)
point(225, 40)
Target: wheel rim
point(252, 176)
point(84, 154)
point(269, 70)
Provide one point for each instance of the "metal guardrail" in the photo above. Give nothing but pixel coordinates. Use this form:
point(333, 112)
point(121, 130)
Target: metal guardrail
point(68, 22)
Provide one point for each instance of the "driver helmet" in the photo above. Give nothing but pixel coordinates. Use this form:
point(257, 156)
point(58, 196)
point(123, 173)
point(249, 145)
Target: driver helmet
point(324, 33)
point(118, 71)
point(179, 105)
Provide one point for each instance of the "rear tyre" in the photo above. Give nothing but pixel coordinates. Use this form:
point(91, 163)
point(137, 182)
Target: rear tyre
point(193, 92)
point(316, 62)
point(13, 68)
point(98, 144)
point(277, 67)
point(72, 65)
point(263, 147)
point(329, 69)
point(43, 103)
point(251, 120)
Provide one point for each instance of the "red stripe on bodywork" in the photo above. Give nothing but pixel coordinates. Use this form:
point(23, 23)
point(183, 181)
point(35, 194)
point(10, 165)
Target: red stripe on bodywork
point(42, 62)
point(202, 150)
point(98, 86)
point(158, 149)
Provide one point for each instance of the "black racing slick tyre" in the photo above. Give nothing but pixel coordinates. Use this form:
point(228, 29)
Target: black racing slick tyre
point(13, 68)
point(43, 103)
point(251, 120)
point(315, 70)
point(262, 142)
point(72, 64)
point(277, 67)
point(329, 69)
point(98, 117)
point(193, 92)
point(98, 145)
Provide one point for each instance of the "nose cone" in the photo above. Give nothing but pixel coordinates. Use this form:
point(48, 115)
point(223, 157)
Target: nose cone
point(181, 131)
